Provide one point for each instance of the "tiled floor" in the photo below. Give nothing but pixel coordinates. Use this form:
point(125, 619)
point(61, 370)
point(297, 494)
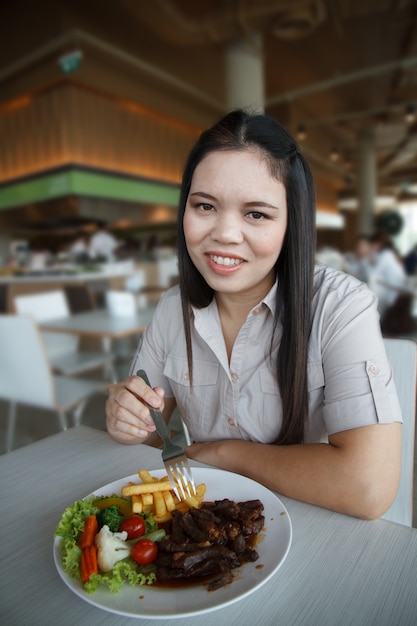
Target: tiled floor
point(34, 424)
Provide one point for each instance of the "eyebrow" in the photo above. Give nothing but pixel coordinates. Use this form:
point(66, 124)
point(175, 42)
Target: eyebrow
point(253, 203)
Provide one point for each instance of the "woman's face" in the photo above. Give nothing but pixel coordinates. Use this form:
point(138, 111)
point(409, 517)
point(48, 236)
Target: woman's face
point(235, 222)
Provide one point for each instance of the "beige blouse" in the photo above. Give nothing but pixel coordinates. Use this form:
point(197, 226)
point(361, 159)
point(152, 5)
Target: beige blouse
point(349, 378)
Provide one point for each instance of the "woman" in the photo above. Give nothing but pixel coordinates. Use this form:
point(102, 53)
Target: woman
point(277, 366)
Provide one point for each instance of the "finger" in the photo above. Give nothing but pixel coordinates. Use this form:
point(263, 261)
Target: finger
point(126, 413)
point(126, 427)
point(152, 397)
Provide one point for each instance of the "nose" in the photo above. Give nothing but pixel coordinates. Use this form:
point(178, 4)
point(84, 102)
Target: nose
point(227, 229)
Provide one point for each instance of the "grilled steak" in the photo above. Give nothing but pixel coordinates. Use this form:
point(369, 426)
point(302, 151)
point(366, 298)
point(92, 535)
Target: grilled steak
point(208, 543)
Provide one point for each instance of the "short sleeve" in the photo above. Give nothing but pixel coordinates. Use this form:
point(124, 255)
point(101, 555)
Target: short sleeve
point(359, 388)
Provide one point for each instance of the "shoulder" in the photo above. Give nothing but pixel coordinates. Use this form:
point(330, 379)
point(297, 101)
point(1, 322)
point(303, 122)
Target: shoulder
point(166, 325)
point(334, 288)
point(170, 298)
point(169, 306)
point(329, 279)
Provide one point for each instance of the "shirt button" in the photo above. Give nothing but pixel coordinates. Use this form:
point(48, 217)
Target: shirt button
point(374, 369)
point(234, 376)
point(186, 376)
point(231, 422)
point(256, 311)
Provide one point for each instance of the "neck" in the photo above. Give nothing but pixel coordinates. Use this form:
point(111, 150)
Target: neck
point(236, 305)
point(233, 310)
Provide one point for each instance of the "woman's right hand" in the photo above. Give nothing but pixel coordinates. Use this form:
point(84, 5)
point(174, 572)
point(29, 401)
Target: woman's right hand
point(128, 419)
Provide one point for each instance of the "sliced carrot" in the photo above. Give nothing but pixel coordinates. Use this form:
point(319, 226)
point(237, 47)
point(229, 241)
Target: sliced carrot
point(88, 563)
point(83, 567)
point(89, 532)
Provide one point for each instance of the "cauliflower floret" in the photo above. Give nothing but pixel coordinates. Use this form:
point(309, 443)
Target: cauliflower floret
point(111, 548)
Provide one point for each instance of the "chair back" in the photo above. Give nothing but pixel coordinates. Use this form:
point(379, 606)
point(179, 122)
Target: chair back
point(26, 375)
point(80, 297)
point(121, 303)
point(402, 355)
point(47, 306)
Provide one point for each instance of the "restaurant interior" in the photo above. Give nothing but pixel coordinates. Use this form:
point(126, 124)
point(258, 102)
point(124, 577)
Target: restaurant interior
point(100, 103)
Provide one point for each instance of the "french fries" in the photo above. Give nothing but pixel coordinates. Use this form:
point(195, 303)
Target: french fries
point(130, 490)
point(156, 496)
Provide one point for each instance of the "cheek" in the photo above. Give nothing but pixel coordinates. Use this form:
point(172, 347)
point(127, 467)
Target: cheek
point(192, 234)
point(188, 229)
point(193, 229)
point(270, 245)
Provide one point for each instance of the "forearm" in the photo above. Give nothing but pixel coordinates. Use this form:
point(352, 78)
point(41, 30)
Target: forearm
point(312, 473)
point(350, 475)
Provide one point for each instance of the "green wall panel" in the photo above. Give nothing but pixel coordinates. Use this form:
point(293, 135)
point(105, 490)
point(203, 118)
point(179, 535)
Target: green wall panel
point(77, 182)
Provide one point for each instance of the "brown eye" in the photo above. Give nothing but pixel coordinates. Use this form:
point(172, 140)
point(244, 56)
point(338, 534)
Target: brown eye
point(256, 215)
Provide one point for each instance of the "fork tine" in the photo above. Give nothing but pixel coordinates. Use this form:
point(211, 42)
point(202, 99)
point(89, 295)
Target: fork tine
point(174, 482)
point(187, 477)
point(181, 473)
point(180, 485)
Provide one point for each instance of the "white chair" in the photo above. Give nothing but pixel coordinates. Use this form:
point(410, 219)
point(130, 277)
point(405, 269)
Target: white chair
point(402, 354)
point(62, 348)
point(26, 376)
point(121, 303)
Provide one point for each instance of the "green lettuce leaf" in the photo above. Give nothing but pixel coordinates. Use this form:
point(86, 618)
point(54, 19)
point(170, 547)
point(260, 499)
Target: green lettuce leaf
point(73, 518)
point(127, 571)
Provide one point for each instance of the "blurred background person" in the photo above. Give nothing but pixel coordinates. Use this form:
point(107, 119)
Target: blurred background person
point(357, 263)
point(387, 277)
point(103, 245)
point(78, 250)
point(376, 262)
point(410, 262)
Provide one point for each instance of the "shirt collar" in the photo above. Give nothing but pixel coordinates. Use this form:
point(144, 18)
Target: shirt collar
point(269, 301)
point(271, 297)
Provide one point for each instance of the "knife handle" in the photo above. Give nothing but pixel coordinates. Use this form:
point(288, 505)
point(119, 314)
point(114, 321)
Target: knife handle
point(158, 418)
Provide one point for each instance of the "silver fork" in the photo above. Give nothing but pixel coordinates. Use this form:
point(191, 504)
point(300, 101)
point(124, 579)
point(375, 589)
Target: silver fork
point(175, 461)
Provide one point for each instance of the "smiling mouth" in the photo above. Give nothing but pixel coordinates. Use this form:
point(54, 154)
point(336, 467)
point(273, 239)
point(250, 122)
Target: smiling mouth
point(225, 260)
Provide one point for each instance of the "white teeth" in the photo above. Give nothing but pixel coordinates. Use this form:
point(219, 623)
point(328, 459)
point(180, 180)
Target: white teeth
point(225, 260)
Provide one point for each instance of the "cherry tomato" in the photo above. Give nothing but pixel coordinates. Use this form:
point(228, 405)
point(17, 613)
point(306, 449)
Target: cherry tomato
point(144, 551)
point(134, 526)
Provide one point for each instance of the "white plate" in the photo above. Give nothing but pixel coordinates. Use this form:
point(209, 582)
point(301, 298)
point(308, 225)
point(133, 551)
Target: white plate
point(156, 603)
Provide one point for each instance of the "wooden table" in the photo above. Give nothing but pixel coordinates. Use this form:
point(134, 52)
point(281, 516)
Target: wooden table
point(339, 570)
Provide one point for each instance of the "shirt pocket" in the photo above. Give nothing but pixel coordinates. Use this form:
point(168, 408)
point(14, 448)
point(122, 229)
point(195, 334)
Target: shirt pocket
point(271, 418)
point(205, 373)
point(315, 378)
point(198, 404)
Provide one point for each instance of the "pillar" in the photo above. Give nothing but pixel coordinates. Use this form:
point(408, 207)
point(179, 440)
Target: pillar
point(245, 74)
point(367, 180)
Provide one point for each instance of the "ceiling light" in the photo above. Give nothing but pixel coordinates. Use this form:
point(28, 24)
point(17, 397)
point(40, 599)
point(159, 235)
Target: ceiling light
point(325, 219)
point(301, 132)
point(410, 114)
point(352, 202)
point(334, 154)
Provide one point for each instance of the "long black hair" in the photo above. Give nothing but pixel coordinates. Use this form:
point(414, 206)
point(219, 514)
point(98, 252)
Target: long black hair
point(239, 130)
